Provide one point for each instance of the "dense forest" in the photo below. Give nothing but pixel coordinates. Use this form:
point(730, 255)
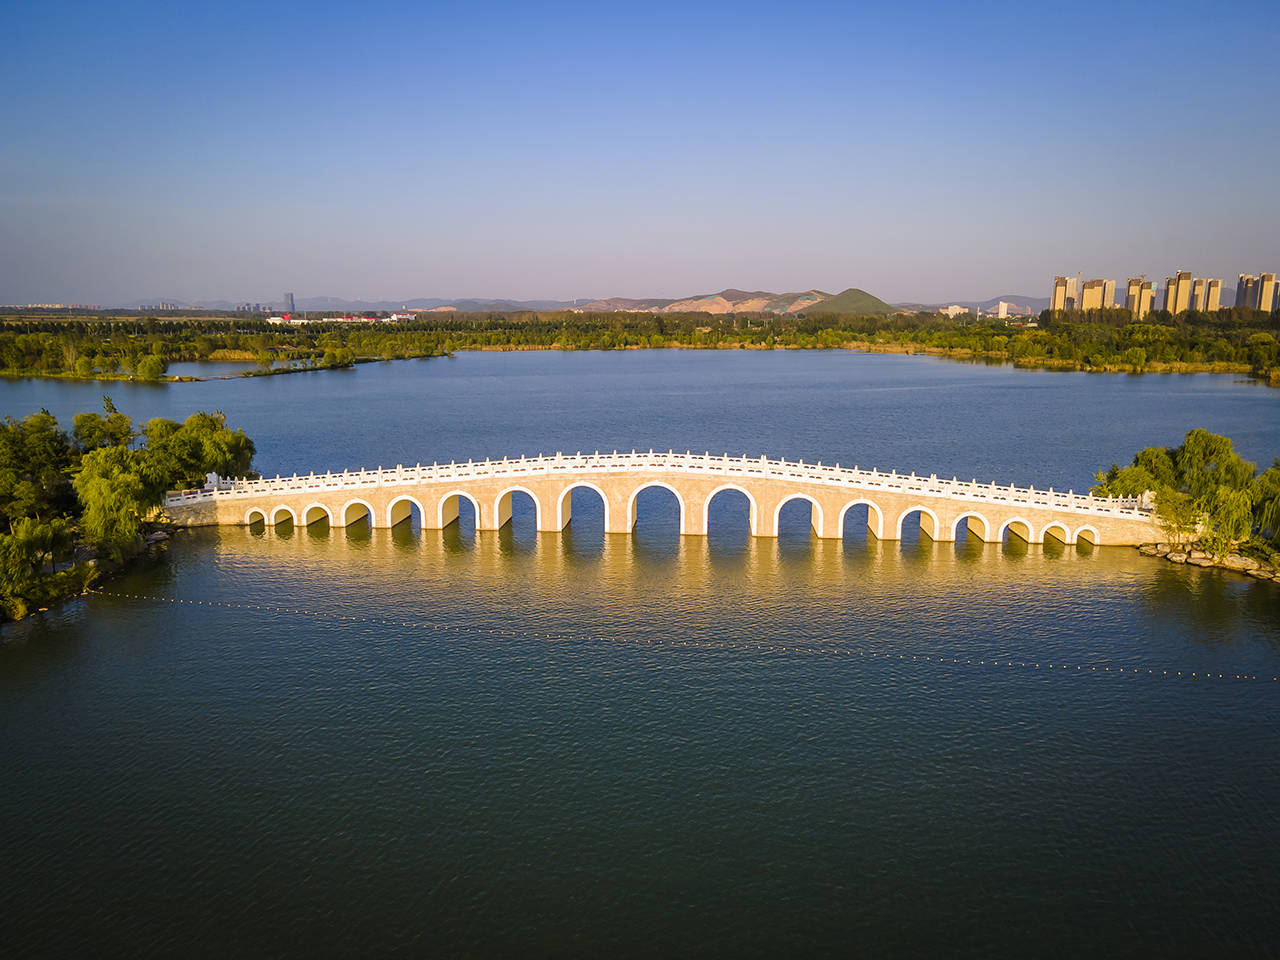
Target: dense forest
point(74, 503)
point(1235, 340)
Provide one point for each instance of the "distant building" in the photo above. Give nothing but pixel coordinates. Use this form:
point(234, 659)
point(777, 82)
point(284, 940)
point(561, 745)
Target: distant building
point(288, 303)
point(1267, 292)
point(1246, 290)
point(1002, 310)
point(1098, 295)
point(954, 310)
point(1139, 294)
point(1064, 294)
point(1213, 296)
point(1177, 293)
point(1199, 295)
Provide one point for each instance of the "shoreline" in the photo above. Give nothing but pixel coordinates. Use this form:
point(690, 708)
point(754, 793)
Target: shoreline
point(899, 348)
point(1190, 554)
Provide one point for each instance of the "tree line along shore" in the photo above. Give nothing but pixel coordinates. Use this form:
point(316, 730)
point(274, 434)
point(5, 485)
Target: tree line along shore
point(1237, 340)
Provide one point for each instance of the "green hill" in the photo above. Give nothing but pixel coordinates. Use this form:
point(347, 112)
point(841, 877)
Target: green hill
point(852, 300)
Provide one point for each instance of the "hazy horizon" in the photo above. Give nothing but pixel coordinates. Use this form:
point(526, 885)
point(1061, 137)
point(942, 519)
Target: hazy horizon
point(921, 154)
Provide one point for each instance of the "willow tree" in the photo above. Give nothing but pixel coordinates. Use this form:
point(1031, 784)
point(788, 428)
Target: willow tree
point(1203, 490)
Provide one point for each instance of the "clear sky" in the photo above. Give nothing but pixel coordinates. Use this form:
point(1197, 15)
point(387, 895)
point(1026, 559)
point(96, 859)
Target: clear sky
point(394, 150)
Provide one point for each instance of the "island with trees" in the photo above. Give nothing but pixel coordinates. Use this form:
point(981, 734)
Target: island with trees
point(1215, 507)
point(80, 505)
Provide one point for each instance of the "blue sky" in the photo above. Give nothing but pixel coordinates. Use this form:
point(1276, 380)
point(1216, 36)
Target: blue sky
point(396, 150)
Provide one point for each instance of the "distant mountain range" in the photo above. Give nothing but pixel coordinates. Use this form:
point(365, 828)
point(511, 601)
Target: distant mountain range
point(732, 300)
point(852, 300)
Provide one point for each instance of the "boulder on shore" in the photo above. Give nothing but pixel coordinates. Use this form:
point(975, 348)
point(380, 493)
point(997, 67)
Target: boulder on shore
point(1176, 556)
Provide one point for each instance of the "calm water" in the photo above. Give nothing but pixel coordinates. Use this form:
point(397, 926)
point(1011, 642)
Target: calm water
point(355, 742)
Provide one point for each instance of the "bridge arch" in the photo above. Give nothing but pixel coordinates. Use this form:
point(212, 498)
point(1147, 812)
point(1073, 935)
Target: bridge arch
point(1089, 535)
point(502, 506)
point(401, 509)
point(972, 519)
point(706, 507)
point(255, 515)
point(447, 508)
point(924, 512)
point(815, 514)
point(875, 518)
point(349, 518)
point(1019, 527)
point(314, 513)
point(684, 511)
point(282, 509)
point(1062, 533)
point(564, 505)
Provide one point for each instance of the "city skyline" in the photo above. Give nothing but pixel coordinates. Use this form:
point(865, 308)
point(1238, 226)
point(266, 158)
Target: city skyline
point(503, 152)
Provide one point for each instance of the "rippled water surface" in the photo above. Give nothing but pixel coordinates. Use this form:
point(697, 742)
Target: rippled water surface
point(352, 742)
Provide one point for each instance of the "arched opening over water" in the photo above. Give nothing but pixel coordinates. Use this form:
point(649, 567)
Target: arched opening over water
point(972, 527)
point(357, 516)
point(656, 504)
point(517, 513)
point(256, 520)
point(405, 510)
point(1086, 539)
point(1056, 532)
point(1016, 529)
point(796, 522)
point(860, 523)
point(283, 520)
point(918, 526)
point(458, 516)
point(730, 519)
point(582, 515)
point(315, 517)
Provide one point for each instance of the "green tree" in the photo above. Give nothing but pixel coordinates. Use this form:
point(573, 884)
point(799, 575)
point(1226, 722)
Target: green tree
point(113, 429)
point(151, 367)
point(113, 497)
point(35, 464)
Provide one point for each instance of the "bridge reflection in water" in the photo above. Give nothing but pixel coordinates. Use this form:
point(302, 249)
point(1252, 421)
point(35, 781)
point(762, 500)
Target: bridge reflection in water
point(653, 573)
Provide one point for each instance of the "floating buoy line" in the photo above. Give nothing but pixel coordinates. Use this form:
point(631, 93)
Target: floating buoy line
point(831, 648)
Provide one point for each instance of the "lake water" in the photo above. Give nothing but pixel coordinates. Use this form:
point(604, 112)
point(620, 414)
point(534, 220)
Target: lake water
point(355, 742)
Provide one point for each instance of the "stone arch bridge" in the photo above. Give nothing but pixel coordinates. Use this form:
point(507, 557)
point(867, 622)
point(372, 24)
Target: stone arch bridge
point(386, 497)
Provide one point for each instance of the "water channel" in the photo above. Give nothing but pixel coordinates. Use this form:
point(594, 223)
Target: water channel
point(351, 741)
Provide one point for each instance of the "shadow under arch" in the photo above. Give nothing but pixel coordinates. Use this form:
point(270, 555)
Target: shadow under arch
point(449, 513)
point(971, 526)
point(931, 530)
point(505, 507)
point(357, 512)
point(405, 508)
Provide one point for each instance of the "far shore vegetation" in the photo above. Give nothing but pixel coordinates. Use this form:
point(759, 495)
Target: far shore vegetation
point(1235, 340)
point(76, 505)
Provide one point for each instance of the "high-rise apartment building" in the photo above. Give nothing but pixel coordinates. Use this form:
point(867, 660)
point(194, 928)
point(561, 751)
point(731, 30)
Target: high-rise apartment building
point(1064, 294)
point(1138, 296)
point(1246, 290)
point(1199, 295)
point(1213, 296)
point(1267, 292)
point(1098, 295)
point(1177, 293)
point(288, 303)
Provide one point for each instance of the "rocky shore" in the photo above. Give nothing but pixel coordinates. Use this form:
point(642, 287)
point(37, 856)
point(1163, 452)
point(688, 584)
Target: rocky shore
point(1192, 553)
